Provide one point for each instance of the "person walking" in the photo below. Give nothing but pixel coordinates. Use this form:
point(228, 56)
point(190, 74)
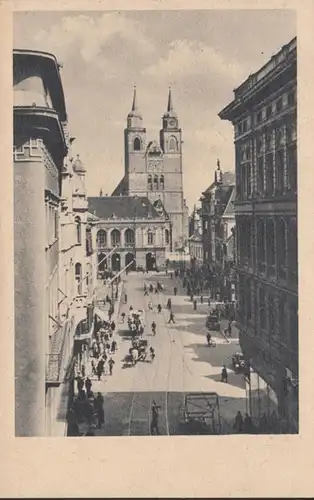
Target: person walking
point(229, 329)
point(247, 424)
point(159, 308)
point(113, 347)
point(169, 304)
point(88, 386)
point(202, 299)
point(154, 429)
point(171, 318)
point(113, 326)
point(99, 409)
point(195, 305)
point(100, 368)
point(175, 291)
point(238, 422)
point(224, 374)
point(110, 363)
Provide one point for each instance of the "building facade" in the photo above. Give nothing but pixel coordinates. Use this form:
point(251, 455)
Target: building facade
point(131, 230)
point(218, 222)
point(264, 116)
point(50, 242)
point(155, 170)
point(196, 241)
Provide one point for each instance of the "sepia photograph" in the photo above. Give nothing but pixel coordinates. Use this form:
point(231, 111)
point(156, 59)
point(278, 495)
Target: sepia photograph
point(155, 187)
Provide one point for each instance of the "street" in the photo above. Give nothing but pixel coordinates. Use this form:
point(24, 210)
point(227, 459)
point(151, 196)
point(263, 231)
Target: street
point(183, 364)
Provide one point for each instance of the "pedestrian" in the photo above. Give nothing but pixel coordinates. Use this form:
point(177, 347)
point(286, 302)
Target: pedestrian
point(238, 422)
point(88, 386)
point(194, 305)
point(208, 301)
point(111, 363)
point(125, 298)
point(80, 383)
point(154, 429)
point(175, 290)
point(171, 275)
point(169, 304)
point(247, 424)
point(191, 297)
point(229, 329)
point(99, 408)
point(122, 317)
point(184, 282)
point(145, 292)
point(224, 374)
point(100, 368)
point(73, 428)
point(107, 298)
point(202, 299)
point(83, 370)
point(171, 318)
point(113, 326)
point(93, 367)
point(159, 308)
point(113, 346)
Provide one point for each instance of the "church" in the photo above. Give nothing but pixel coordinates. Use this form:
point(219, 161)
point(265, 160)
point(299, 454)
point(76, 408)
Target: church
point(147, 210)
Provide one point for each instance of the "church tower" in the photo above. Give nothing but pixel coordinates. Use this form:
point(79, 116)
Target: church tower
point(134, 150)
point(171, 145)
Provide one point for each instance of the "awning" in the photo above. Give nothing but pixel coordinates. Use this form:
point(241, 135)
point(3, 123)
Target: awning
point(103, 315)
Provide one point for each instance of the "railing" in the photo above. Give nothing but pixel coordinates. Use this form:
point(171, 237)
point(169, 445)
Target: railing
point(54, 359)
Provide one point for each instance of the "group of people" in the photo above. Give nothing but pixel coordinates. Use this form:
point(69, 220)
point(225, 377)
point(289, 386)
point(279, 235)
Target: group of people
point(265, 424)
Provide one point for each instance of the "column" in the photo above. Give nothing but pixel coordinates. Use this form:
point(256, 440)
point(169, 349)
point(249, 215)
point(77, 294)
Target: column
point(29, 292)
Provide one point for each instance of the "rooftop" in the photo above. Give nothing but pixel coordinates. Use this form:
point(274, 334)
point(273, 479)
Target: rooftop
point(118, 207)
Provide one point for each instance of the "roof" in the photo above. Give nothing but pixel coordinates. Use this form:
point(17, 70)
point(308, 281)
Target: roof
point(122, 187)
point(118, 207)
point(78, 165)
point(229, 210)
point(228, 179)
point(51, 74)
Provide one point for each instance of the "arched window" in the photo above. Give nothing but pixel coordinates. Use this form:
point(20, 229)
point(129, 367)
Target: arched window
point(129, 238)
point(155, 182)
point(173, 145)
point(101, 238)
point(167, 238)
point(150, 238)
point(137, 144)
point(115, 238)
point(78, 277)
point(162, 182)
point(89, 243)
point(78, 230)
point(150, 183)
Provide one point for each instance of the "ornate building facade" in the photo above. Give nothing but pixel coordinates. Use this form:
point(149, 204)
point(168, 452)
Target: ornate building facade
point(53, 266)
point(264, 116)
point(131, 230)
point(155, 170)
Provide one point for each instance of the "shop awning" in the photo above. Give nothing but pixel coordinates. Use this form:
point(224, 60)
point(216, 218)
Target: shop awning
point(103, 315)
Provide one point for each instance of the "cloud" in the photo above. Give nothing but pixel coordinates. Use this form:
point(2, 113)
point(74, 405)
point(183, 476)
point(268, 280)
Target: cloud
point(191, 57)
point(91, 36)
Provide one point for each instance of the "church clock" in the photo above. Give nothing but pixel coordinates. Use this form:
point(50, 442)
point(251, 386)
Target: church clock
point(172, 123)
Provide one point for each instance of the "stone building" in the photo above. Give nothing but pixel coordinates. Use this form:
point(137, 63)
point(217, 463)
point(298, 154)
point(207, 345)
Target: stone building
point(155, 170)
point(196, 240)
point(264, 116)
point(138, 231)
point(52, 254)
point(218, 222)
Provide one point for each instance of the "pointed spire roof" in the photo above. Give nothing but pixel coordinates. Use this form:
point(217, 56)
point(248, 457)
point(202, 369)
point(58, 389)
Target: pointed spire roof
point(134, 113)
point(170, 110)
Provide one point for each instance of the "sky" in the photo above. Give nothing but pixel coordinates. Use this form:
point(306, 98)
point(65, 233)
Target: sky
point(203, 55)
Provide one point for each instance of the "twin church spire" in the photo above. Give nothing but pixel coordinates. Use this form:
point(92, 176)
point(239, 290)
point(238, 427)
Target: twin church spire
point(135, 117)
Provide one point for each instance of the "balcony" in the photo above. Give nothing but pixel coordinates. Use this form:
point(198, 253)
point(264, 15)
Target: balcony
point(55, 359)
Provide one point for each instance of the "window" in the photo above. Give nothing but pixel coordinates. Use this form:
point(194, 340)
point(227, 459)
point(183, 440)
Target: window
point(291, 98)
point(89, 244)
point(162, 182)
point(115, 238)
point(155, 182)
point(269, 174)
point(56, 228)
point(279, 165)
point(281, 248)
point(150, 183)
point(268, 111)
point(262, 308)
point(150, 238)
point(259, 116)
point(279, 105)
point(129, 238)
point(261, 254)
point(282, 320)
point(271, 315)
point(101, 238)
point(244, 126)
point(137, 144)
point(270, 246)
point(167, 239)
point(78, 230)
point(292, 167)
point(260, 175)
point(78, 278)
point(173, 144)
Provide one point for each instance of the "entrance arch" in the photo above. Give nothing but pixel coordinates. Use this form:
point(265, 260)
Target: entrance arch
point(128, 258)
point(150, 261)
point(116, 262)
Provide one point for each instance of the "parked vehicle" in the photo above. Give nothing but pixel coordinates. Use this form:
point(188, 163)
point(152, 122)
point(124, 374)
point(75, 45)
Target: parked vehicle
point(238, 362)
